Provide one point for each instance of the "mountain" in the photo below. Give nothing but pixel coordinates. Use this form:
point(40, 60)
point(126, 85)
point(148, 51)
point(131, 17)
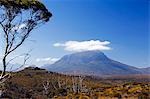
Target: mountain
point(91, 63)
point(146, 70)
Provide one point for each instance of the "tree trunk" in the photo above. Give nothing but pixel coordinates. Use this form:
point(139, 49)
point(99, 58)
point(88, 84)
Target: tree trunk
point(4, 66)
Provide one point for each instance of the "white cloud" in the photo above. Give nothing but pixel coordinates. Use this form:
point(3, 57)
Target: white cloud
point(77, 46)
point(48, 60)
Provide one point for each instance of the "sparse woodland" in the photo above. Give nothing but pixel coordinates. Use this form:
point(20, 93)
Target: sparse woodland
point(38, 83)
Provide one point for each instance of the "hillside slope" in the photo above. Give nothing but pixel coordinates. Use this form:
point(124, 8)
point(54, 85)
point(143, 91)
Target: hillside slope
point(36, 83)
point(92, 63)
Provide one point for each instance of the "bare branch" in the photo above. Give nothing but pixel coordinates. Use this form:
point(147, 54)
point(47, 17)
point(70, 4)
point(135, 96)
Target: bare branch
point(13, 14)
point(26, 57)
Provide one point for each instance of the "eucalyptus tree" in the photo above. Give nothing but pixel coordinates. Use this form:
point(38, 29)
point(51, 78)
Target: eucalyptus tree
point(17, 19)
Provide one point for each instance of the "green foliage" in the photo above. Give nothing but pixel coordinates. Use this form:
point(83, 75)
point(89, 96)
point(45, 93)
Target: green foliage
point(17, 6)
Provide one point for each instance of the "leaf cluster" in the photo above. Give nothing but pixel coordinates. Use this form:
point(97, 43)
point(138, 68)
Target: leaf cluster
point(17, 6)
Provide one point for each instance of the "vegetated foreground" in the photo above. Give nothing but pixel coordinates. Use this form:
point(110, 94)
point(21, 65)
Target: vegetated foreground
point(37, 83)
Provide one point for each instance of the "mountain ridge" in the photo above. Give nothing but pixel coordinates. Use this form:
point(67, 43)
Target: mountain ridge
point(91, 63)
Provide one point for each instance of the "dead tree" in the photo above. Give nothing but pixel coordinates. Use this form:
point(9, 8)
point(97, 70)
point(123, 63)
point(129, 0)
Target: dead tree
point(77, 84)
point(74, 84)
point(17, 19)
point(59, 82)
point(81, 78)
point(46, 86)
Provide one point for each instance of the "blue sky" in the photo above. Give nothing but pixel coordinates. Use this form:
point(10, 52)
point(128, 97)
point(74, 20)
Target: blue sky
point(124, 23)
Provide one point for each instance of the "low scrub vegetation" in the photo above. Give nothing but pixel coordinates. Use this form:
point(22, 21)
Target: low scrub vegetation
point(38, 83)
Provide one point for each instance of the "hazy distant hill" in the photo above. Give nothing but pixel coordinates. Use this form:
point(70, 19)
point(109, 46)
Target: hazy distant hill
point(146, 70)
point(92, 62)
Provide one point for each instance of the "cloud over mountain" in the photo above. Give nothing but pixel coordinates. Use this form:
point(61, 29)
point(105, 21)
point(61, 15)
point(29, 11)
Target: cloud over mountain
point(80, 46)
